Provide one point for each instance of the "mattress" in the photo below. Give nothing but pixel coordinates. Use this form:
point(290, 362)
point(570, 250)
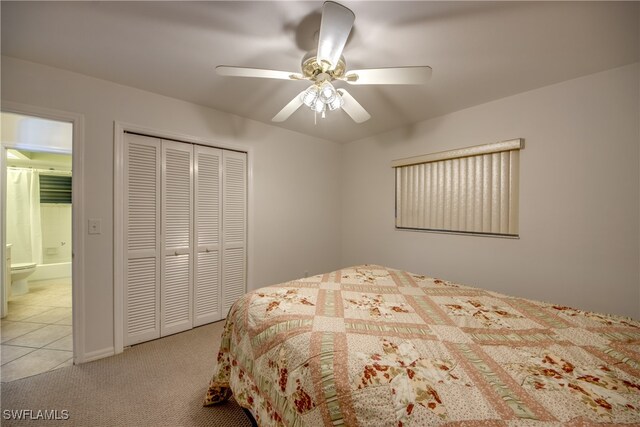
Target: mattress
point(374, 346)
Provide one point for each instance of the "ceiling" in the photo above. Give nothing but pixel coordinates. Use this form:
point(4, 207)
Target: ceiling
point(479, 51)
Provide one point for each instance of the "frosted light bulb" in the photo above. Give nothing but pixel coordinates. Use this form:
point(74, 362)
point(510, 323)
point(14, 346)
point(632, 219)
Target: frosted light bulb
point(310, 96)
point(319, 106)
point(336, 103)
point(327, 93)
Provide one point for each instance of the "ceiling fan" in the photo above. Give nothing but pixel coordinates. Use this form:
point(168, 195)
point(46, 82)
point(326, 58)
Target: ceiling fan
point(326, 64)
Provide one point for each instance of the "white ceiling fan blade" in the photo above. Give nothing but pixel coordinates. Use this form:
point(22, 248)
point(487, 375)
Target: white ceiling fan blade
point(289, 109)
point(389, 76)
point(353, 107)
point(335, 27)
point(225, 70)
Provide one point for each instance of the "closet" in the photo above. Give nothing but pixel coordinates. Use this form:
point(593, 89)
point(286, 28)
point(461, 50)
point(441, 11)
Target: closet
point(185, 235)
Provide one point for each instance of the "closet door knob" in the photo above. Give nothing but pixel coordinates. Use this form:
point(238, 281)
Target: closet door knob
point(206, 250)
point(176, 253)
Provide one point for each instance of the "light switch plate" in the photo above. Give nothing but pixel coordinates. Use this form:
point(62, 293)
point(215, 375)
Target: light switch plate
point(95, 226)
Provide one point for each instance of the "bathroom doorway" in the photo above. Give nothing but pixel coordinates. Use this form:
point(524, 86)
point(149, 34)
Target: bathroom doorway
point(37, 287)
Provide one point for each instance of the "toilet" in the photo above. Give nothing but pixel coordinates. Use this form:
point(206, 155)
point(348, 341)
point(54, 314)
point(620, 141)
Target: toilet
point(19, 274)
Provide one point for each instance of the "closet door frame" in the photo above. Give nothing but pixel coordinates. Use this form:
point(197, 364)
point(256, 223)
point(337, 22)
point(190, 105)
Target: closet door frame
point(119, 249)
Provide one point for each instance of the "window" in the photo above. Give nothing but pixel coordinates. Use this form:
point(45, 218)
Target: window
point(55, 189)
point(469, 190)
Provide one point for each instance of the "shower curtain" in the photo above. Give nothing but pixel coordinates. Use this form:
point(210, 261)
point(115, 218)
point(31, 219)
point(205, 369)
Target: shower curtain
point(24, 228)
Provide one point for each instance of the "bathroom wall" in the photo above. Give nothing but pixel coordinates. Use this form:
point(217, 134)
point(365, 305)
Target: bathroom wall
point(55, 219)
point(56, 233)
point(25, 132)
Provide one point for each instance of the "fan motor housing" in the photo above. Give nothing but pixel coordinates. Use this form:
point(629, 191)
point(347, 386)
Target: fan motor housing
point(312, 68)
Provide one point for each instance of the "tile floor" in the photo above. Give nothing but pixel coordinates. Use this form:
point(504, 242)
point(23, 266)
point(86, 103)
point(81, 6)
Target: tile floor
point(36, 333)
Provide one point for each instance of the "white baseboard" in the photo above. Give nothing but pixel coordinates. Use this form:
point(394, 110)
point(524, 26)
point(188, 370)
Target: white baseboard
point(95, 355)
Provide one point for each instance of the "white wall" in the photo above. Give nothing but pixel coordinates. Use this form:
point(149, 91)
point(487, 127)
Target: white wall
point(295, 178)
point(56, 232)
point(579, 206)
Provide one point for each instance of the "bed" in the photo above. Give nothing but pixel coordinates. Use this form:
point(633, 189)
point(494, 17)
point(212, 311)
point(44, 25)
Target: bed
point(374, 346)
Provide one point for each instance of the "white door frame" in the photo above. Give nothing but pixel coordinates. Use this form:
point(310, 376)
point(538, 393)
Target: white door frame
point(119, 251)
point(77, 212)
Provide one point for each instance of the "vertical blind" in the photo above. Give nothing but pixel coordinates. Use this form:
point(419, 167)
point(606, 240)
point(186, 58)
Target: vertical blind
point(469, 190)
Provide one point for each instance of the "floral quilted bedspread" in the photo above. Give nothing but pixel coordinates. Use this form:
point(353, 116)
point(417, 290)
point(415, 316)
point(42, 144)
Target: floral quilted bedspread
point(374, 346)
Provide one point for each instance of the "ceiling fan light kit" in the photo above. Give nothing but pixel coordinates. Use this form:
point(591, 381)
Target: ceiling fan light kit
point(326, 65)
point(321, 97)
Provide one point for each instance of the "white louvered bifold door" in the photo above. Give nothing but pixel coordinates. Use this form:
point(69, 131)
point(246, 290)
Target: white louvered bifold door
point(177, 242)
point(234, 226)
point(207, 235)
point(142, 239)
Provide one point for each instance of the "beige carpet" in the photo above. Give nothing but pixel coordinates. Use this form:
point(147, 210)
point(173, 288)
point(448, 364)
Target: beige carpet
point(159, 383)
